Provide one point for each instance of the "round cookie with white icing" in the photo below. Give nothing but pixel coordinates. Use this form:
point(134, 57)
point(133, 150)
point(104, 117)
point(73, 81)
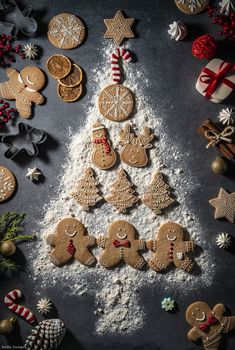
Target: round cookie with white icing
point(192, 7)
point(70, 240)
point(7, 184)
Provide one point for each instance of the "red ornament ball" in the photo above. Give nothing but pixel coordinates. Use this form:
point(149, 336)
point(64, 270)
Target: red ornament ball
point(204, 47)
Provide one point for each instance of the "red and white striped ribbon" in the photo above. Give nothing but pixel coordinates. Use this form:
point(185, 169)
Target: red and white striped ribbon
point(23, 311)
point(115, 65)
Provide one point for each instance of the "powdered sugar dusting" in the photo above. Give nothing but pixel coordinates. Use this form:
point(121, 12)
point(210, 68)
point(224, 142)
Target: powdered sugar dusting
point(118, 306)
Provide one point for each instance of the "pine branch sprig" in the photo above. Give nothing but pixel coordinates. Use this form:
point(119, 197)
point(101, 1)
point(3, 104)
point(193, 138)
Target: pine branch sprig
point(7, 264)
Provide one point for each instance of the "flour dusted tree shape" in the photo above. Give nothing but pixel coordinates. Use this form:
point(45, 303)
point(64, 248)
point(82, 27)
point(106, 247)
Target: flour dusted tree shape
point(122, 194)
point(86, 193)
point(157, 196)
point(134, 147)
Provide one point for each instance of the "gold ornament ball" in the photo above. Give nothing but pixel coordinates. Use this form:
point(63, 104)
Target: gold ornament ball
point(7, 325)
point(7, 248)
point(219, 166)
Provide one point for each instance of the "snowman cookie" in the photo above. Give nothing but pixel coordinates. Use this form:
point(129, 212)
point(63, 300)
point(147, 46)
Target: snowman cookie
point(103, 156)
point(121, 245)
point(24, 87)
point(207, 324)
point(70, 240)
point(170, 248)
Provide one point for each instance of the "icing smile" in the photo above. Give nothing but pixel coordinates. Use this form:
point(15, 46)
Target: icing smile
point(70, 234)
point(133, 161)
point(30, 82)
point(171, 238)
point(201, 319)
point(122, 236)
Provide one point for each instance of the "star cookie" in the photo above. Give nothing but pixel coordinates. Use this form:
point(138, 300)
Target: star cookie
point(224, 205)
point(119, 28)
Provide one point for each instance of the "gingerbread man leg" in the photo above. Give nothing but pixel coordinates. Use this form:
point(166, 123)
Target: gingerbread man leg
point(59, 257)
point(24, 108)
point(5, 92)
point(84, 257)
point(186, 265)
point(156, 264)
point(232, 323)
point(134, 260)
point(109, 259)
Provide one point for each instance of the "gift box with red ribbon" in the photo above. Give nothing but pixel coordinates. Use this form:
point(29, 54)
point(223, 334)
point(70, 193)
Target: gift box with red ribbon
point(216, 80)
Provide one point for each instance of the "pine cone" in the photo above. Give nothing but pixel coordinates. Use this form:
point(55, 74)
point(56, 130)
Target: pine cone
point(46, 336)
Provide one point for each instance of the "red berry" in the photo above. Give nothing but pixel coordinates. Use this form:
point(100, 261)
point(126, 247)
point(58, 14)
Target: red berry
point(6, 105)
point(3, 36)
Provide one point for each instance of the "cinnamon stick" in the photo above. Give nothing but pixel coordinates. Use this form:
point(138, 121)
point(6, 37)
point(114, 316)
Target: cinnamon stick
point(223, 147)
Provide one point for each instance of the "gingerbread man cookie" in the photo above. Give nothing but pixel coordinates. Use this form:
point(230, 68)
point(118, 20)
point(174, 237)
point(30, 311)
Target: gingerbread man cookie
point(171, 248)
point(207, 324)
point(24, 88)
point(103, 156)
point(121, 245)
point(70, 241)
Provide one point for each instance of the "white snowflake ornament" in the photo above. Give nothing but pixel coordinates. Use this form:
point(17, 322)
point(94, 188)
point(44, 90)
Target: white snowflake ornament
point(178, 30)
point(33, 174)
point(226, 6)
point(44, 306)
point(223, 240)
point(226, 116)
point(30, 51)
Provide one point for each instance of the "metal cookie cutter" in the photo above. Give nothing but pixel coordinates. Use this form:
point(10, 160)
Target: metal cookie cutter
point(27, 140)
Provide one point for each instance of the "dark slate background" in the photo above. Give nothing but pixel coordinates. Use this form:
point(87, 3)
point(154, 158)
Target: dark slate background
point(172, 71)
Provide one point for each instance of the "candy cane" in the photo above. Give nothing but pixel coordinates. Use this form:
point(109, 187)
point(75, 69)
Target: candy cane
point(18, 309)
point(116, 69)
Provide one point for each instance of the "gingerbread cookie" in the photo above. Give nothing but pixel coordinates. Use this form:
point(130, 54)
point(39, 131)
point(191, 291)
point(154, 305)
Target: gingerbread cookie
point(208, 325)
point(134, 147)
point(66, 31)
point(70, 240)
point(116, 102)
point(103, 156)
point(192, 7)
point(7, 184)
point(74, 77)
point(86, 191)
point(24, 88)
point(122, 195)
point(119, 28)
point(69, 94)
point(224, 205)
point(170, 248)
point(59, 66)
point(121, 244)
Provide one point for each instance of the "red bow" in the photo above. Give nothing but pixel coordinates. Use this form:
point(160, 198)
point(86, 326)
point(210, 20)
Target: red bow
point(71, 248)
point(125, 243)
point(104, 141)
point(211, 320)
point(214, 79)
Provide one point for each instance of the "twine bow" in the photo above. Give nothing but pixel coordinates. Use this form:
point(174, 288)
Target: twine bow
point(215, 137)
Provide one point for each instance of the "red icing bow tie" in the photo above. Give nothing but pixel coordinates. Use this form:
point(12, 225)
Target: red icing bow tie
point(125, 243)
point(205, 326)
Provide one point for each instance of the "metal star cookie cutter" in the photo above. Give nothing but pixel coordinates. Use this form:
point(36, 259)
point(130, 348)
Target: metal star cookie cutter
point(15, 19)
point(32, 137)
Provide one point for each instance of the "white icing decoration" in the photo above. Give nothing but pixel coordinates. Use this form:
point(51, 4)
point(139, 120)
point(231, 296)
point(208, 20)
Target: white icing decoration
point(6, 185)
point(192, 4)
point(132, 161)
point(223, 240)
point(178, 30)
point(30, 51)
point(171, 238)
point(122, 237)
point(202, 318)
point(180, 256)
point(33, 174)
point(70, 234)
point(226, 6)
point(226, 116)
point(29, 81)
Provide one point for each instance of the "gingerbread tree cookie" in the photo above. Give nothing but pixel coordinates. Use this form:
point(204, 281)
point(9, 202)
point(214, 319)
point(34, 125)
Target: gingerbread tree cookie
point(157, 196)
point(122, 194)
point(134, 147)
point(208, 325)
point(171, 248)
point(71, 241)
point(24, 87)
point(121, 244)
point(103, 156)
point(86, 192)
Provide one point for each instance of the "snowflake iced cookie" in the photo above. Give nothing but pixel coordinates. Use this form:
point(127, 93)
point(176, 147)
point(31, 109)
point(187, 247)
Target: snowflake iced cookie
point(119, 28)
point(170, 248)
point(103, 155)
point(24, 87)
point(134, 147)
point(157, 196)
point(86, 192)
point(70, 240)
point(7, 184)
point(59, 66)
point(121, 245)
point(116, 102)
point(66, 31)
point(208, 325)
point(122, 195)
point(192, 7)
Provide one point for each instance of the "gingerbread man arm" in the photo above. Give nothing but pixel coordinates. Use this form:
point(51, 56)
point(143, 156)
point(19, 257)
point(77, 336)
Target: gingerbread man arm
point(189, 246)
point(52, 239)
point(218, 311)
point(193, 335)
point(37, 98)
point(101, 241)
point(151, 245)
point(89, 241)
point(10, 71)
point(138, 244)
